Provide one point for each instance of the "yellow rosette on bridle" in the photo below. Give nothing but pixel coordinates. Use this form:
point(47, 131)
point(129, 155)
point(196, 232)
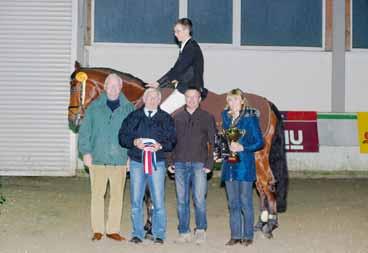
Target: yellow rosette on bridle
point(82, 77)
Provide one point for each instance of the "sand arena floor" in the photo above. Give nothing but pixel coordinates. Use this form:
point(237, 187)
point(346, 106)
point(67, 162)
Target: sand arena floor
point(47, 214)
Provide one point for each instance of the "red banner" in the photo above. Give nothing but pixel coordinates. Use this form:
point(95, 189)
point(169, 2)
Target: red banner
point(300, 129)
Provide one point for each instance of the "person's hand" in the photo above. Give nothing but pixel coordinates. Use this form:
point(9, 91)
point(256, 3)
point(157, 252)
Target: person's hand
point(171, 168)
point(153, 148)
point(157, 146)
point(139, 143)
point(153, 85)
point(206, 170)
point(87, 160)
point(236, 147)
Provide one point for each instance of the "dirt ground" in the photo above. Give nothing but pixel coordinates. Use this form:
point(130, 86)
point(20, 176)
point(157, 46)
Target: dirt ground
point(46, 214)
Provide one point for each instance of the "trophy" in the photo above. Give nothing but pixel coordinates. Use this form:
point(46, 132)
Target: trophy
point(233, 134)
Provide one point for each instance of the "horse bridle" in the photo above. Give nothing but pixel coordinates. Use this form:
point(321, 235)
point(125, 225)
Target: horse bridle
point(82, 92)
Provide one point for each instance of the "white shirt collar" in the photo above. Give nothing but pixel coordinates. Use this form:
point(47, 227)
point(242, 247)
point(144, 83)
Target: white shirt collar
point(146, 112)
point(183, 44)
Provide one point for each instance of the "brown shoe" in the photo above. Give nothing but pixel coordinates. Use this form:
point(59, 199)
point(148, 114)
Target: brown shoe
point(232, 242)
point(116, 237)
point(97, 236)
point(247, 242)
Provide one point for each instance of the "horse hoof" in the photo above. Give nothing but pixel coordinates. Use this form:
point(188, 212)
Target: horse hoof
point(258, 226)
point(148, 236)
point(268, 235)
point(266, 232)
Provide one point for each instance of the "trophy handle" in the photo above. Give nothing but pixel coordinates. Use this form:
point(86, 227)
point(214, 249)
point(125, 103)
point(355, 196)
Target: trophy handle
point(222, 131)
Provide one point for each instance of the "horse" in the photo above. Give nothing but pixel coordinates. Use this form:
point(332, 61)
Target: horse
point(271, 165)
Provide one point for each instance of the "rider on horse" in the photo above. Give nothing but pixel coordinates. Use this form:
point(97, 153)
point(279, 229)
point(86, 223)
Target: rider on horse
point(187, 71)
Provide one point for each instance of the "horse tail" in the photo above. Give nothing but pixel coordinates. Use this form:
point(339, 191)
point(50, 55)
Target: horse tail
point(278, 162)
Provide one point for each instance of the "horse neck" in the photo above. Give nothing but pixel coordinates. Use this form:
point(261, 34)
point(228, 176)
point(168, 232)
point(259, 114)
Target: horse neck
point(93, 90)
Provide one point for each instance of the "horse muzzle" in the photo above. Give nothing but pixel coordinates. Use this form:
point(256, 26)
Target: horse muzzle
point(74, 123)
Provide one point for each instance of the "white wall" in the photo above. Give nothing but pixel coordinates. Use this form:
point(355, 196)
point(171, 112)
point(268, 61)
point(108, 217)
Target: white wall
point(329, 159)
point(293, 80)
point(357, 81)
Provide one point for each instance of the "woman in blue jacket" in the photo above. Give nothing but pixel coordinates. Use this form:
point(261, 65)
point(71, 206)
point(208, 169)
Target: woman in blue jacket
point(239, 176)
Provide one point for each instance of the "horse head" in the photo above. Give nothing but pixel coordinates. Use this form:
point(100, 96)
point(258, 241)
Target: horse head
point(86, 84)
point(84, 88)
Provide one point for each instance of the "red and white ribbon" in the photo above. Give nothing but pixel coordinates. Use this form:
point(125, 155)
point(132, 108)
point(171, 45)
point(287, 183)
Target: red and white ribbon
point(149, 161)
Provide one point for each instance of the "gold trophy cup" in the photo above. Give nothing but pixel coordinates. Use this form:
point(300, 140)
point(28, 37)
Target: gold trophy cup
point(233, 134)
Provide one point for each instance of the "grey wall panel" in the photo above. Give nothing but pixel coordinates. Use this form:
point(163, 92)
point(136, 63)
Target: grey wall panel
point(360, 23)
point(281, 23)
point(131, 21)
point(212, 20)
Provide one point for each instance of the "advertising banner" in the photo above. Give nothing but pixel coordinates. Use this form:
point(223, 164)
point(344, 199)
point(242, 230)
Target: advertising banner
point(363, 131)
point(300, 129)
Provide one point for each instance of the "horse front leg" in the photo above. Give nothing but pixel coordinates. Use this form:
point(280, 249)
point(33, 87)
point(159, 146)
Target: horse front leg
point(149, 208)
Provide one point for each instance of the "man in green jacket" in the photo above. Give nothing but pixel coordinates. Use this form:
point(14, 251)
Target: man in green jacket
point(105, 158)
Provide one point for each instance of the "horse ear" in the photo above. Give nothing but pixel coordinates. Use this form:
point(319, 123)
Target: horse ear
point(77, 66)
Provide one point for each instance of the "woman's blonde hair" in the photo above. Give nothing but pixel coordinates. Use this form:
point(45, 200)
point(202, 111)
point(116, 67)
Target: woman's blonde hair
point(234, 93)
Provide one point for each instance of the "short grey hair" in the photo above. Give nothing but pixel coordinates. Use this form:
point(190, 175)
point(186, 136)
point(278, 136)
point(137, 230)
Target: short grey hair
point(149, 90)
point(113, 76)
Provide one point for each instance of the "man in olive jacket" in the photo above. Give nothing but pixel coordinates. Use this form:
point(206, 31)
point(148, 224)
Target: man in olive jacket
point(106, 159)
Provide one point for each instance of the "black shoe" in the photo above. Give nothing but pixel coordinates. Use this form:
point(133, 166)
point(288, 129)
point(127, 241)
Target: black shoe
point(158, 241)
point(247, 242)
point(232, 242)
point(135, 240)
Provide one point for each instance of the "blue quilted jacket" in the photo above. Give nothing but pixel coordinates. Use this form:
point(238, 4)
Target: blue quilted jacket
point(245, 170)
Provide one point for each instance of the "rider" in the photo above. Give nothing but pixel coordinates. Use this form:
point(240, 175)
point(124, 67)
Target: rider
point(188, 68)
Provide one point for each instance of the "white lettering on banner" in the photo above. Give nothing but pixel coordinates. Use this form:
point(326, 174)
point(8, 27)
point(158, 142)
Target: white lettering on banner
point(292, 141)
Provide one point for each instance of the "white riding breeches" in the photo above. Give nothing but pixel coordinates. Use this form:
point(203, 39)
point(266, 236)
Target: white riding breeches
point(173, 102)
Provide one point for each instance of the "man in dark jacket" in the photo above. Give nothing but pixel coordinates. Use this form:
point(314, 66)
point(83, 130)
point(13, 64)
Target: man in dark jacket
point(147, 133)
point(193, 159)
point(188, 69)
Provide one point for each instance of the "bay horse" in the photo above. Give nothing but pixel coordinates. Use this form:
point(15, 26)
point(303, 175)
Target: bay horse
point(271, 165)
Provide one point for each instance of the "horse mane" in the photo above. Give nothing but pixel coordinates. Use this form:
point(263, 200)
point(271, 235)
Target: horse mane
point(123, 75)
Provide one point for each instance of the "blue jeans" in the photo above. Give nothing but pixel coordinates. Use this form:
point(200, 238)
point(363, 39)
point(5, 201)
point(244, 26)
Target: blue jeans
point(156, 184)
point(191, 176)
point(240, 202)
